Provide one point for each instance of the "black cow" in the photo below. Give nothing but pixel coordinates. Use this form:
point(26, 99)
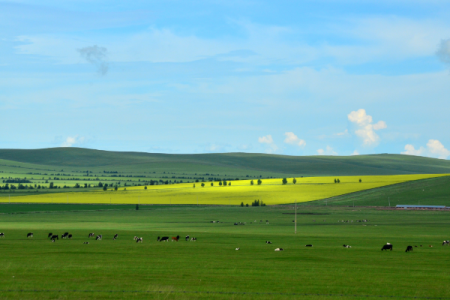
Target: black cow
point(50, 235)
point(164, 238)
point(63, 236)
point(387, 247)
point(2, 234)
point(30, 235)
point(69, 236)
point(116, 236)
point(309, 245)
point(55, 236)
point(409, 248)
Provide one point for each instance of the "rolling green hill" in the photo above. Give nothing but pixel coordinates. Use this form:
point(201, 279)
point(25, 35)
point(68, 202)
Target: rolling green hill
point(238, 163)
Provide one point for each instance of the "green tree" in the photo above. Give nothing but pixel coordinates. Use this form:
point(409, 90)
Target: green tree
point(145, 187)
point(194, 185)
point(203, 184)
point(360, 180)
point(259, 181)
point(251, 182)
point(242, 204)
point(284, 181)
point(76, 186)
point(220, 183)
point(116, 187)
point(294, 181)
point(105, 187)
point(212, 183)
point(137, 206)
point(229, 183)
point(224, 183)
point(246, 205)
point(51, 185)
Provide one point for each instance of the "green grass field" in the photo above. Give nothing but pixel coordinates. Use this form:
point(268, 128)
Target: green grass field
point(271, 191)
point(211, 268)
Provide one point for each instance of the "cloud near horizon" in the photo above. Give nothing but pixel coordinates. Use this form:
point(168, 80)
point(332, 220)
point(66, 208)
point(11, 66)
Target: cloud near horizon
point(328, 151)
point(269, 141)
point(292, 139)
point(73, 140)
point(365, 129)
point(434, 148)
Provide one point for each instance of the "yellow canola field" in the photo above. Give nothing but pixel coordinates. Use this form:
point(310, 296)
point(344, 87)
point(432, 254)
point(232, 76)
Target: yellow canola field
point(271, 191)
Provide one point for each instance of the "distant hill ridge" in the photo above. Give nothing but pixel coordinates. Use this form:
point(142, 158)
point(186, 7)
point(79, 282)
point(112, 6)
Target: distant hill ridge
point(379, 164)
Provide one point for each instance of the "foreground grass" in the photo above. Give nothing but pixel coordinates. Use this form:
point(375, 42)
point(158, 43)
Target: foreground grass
point(271, 191)
point(211, 269)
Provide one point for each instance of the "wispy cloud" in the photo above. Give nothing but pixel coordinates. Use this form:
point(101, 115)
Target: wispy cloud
point(327, 151)
point(443, 51)
point(97, 56)
point(269, 141)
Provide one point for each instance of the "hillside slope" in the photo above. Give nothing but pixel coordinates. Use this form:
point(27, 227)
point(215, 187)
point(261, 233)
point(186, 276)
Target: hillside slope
point(381, 164)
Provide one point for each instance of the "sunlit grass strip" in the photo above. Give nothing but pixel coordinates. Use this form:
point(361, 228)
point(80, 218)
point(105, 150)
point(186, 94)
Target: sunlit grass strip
point(271, 191)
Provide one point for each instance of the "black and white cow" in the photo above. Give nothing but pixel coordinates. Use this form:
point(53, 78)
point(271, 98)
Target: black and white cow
point(164, 238)
point(116, 236)
point(50, 235)
point(279, 249)
point(30, 235)
point(388, 246)
point(2, 234)
point(409, 248)
point(193, 239)
point(66, 234)
point(54, 237)
point(447, 242)
point(99, 237)
point(186, 238)
point(139, 240)
point(69, 236)
point(346, 246)
point(268, 242)
point(91, 235)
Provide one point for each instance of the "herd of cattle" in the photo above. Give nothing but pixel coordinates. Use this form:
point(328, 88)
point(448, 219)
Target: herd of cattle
point(67, 235)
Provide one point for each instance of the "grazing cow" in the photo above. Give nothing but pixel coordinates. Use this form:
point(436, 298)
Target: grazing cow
point(30, 235)
point(409, 248)
point(116, 236)
point(387, 247)
point(175, 238)
point(91, 235)
point(55, 236)
point(186, 238)
point(431, 246)
point(236, 224)
point(86, 243)
point(139, 240)
point(237, 249)
point(193, 239)
point(279, 249)
point(99, 237)
point(346, 246)
point(268, 242)
point(69, 236)
point(445, 243)
point(420, 245)
point(309, 245)
point(164, 238)
point(2, 234)
point(50, 235)
point(66, 234)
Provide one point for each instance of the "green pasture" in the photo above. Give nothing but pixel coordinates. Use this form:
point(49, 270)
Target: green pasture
point(211, 268)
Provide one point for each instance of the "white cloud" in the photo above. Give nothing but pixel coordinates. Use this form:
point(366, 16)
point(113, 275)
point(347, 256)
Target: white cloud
point(437, 149)
point(345, 132)
point(365, 129)
point(355, 152)
point(269, 141)
point(434, 149)
point(73, 140)
point(292, 139)
point(328, 151)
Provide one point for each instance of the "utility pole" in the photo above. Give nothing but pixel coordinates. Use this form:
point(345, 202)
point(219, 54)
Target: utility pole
point(295, 221)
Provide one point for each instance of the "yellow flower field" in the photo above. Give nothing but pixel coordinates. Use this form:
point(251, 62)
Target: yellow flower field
point(271, 191)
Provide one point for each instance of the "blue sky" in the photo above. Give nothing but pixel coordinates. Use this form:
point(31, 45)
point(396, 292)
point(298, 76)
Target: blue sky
point(285, 77)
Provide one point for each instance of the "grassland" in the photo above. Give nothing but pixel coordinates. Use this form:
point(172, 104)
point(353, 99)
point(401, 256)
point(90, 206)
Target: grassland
point(271, 191)
point(211, 268)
